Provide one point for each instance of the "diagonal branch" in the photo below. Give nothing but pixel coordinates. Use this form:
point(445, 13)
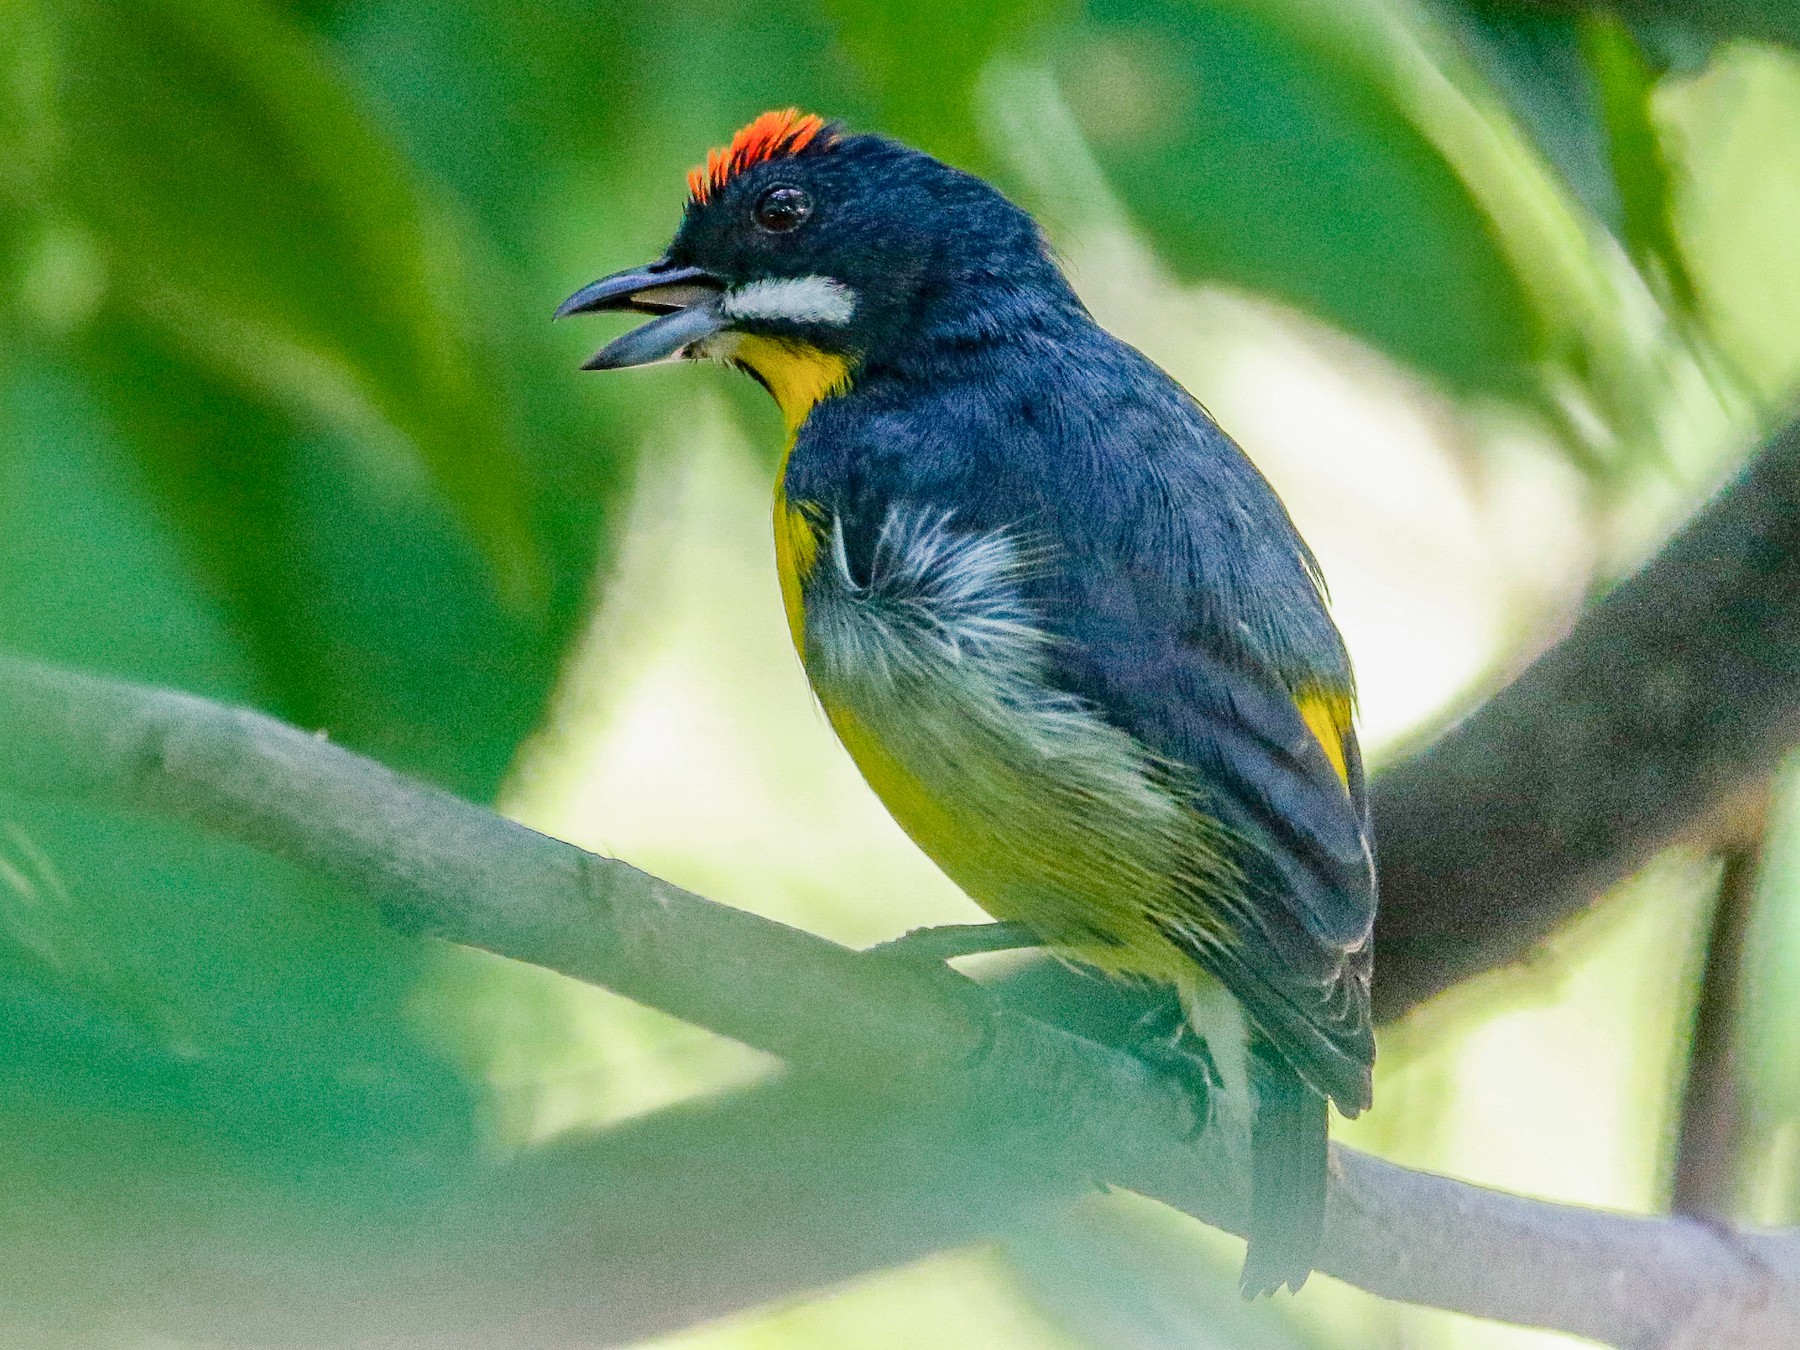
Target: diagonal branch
point(944, 1116)
point(720, 1205)
point(1676, 693)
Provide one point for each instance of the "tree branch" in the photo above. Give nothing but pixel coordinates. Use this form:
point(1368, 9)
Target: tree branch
point(969, 1116)
point(1636, 1283)
point(1671, 696)
point(715, 1206)
point(443, 868)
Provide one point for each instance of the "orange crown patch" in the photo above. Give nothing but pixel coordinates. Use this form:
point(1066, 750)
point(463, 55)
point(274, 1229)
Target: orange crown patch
point(786, 132)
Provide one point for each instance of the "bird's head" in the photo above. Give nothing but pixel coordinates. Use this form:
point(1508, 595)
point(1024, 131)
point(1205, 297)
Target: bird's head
point(805, 252)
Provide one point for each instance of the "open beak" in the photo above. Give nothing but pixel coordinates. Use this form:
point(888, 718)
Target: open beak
point(685, 299)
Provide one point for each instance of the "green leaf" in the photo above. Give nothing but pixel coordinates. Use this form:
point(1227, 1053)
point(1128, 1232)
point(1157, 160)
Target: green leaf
point(1640, 168)
point(1583, 85)
point(1535, 61)
point(359, 603)
point(247, 209)
point(148, 975)
point(1771, 1039)
point(1261, 151)
point(375, 455)
point(28, 122)
point(923, 61)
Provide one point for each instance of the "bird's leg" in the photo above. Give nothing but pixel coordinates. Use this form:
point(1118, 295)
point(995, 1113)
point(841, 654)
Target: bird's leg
point(948, 941)
point(1165, 1040)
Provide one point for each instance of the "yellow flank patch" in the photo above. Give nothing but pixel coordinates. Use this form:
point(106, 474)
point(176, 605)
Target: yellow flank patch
point(1326, 713)
point(796, 550)
point(931, 821)
point(796, 373)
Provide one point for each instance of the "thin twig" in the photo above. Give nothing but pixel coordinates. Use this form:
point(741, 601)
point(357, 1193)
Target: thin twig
point(1671, 696)
point(1709, 1142)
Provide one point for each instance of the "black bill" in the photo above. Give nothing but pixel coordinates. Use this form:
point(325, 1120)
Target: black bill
point(685, 299)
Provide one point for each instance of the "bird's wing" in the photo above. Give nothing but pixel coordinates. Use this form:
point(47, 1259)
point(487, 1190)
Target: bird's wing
point(1260, 728)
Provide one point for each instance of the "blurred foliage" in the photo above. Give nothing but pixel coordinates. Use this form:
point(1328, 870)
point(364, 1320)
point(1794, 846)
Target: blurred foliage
point(282, 419)
point(1127, 1274)
point(1583, 83)
point(1258, 148)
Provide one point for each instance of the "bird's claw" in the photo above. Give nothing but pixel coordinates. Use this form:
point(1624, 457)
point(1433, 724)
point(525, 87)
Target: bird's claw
point(1165, 1041)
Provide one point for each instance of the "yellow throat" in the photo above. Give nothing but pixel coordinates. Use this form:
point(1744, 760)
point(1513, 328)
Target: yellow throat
point(797, 374)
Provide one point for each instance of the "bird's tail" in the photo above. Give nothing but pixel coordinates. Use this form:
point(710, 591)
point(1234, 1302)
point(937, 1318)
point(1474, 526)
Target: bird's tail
point(1287, 1178)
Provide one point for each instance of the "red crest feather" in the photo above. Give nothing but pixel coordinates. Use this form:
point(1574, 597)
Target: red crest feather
point(786, 132)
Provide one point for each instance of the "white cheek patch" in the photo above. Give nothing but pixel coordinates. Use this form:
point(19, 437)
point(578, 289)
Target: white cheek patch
point(796, 299)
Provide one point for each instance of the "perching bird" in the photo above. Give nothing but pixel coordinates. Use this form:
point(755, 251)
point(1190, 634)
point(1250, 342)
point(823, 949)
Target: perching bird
point(1065, 628)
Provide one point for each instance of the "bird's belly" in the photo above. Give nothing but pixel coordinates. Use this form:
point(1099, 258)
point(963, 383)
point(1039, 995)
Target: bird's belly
point(1014, 839)
point(1034, 805)
point(1053, 821)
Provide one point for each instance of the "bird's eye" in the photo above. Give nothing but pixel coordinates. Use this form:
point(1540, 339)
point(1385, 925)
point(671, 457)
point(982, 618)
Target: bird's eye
point(781, 209)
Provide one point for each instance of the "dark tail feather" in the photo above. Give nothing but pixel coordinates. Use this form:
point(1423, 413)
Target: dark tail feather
point(1287, 1179)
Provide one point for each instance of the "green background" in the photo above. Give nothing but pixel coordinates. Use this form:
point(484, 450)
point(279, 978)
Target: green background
point(283, 421)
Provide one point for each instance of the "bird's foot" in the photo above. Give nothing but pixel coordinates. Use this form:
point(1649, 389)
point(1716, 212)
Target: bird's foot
point(949, 941)
point(926, 953)
point(1165, 1040)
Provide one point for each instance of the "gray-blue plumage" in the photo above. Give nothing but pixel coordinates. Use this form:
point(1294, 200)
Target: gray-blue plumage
point(1183, 605)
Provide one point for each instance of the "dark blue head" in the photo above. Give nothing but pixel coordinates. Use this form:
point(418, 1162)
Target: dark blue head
point(802, 244)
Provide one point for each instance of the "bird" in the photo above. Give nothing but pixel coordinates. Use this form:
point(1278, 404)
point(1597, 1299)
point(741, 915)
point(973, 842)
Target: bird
point(1066, 629)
